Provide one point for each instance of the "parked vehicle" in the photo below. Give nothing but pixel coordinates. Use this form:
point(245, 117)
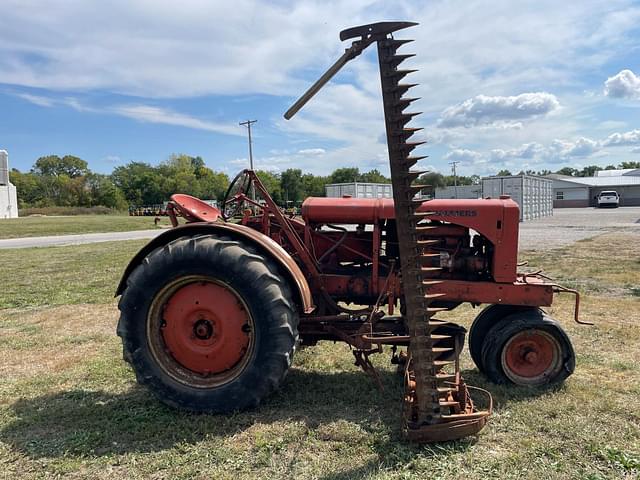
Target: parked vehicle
point(608, 198)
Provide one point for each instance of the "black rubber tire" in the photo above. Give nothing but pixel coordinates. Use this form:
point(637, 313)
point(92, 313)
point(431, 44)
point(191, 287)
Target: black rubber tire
point(518, 322)
point(257, 281)
point(484, 322)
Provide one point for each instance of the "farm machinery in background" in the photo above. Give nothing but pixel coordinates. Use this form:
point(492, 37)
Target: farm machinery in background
point(213, 309)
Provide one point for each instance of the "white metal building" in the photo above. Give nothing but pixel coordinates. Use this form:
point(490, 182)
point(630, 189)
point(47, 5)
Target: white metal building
point(359, 190)
point(534, 195)
point(8, 194)
point(583, 191)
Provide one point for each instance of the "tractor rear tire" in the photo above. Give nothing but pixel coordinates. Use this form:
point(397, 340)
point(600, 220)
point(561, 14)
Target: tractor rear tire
point(484, 322)
point(528, 349)
point(208, 324)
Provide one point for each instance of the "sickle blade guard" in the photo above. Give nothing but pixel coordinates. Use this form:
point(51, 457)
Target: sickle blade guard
point(437, 404)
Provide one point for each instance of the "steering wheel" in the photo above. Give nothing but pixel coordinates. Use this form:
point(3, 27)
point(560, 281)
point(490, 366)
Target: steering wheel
point(231, 204)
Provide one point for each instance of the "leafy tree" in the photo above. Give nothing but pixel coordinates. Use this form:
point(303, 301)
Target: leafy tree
point(625, 165)
point(373, 176)
point(503, 173)
point(571, 172)
point(104, 192)
point(291, 184)
point(345, 175)
point(589, 171)
point(271, 182)
point(432, 179)
point(140, 183)
point(313, 186)
point(53, 165)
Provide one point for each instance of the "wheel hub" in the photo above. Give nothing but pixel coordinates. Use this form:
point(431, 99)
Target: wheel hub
point(206, 328)
point(203, 329)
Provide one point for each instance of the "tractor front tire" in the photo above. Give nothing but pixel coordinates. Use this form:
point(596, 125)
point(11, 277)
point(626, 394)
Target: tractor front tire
point(208, 324)
point(488, 318)
point(528, 348)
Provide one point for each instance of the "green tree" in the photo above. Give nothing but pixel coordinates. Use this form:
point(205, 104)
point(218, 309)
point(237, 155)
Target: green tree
point(503, 173)
point(54, 166)
point(139, 182)
point(104, 192)
point(571, 172)
point(313, 186)
point(291, 184)
point(625, 165)
point(271, 182)
point(373, 176)
point(345, 175)
point(589, 171)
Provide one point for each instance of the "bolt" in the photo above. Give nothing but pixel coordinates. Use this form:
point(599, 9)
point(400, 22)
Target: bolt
point(531, 357)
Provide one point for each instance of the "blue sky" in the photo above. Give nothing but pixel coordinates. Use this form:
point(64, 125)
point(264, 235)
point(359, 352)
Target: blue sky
point(503, 84)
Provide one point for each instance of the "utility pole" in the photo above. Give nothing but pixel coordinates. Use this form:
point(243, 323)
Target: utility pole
point(248, 124)
point(455, 178)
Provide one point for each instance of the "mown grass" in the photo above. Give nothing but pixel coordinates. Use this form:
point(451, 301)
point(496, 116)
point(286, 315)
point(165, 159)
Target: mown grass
point(69, 405)
point(607, 264)
point(33, 277)
point(76, 224)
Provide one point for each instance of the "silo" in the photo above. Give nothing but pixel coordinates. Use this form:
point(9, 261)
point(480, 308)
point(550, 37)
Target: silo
point(4, 167)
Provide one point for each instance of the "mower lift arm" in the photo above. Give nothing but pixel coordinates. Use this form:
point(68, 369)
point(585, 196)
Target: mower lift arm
point(368, 34)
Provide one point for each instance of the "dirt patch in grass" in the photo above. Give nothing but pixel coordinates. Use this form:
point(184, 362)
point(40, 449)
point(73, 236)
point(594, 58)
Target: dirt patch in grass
point(52, 339)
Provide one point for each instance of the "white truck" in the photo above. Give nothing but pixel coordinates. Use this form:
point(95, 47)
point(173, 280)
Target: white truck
point(608, 198)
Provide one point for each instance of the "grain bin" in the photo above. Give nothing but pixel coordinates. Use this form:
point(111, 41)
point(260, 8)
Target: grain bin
point(533, 194)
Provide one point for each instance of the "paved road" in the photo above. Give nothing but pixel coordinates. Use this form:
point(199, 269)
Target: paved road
point(78, 239)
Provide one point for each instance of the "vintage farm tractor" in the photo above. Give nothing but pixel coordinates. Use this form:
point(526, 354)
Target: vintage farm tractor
point(212, 310)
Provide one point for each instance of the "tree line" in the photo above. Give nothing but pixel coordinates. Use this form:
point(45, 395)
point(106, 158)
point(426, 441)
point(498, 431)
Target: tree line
point(67, 181)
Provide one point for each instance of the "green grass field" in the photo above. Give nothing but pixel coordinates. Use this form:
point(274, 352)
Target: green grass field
point(66, 225)
point(69, 405)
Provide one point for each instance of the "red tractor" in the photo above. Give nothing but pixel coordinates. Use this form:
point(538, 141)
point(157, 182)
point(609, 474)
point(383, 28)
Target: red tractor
point(213, 310)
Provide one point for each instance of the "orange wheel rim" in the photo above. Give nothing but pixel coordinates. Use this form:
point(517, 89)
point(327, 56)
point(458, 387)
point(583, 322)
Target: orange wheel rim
point(205, 328)
point(531, 357)
point(200, 331)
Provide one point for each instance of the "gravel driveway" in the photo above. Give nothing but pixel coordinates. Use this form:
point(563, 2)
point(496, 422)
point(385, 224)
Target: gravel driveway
point(568, 225)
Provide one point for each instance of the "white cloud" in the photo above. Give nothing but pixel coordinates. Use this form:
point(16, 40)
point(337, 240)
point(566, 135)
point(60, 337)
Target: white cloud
point(312, 151)
point(462, 155)
point(112, 159)
point(624, 84)
point(151, 114)
point(142, 113)
point(37, 99)
point(526, 151)
point(486, 110)
point(620, 139)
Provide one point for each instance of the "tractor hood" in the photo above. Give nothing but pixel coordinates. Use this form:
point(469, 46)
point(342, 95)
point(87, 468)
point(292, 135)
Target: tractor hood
point(369, 210)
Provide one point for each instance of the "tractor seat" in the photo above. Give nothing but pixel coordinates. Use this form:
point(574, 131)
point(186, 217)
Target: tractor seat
point(193, 209)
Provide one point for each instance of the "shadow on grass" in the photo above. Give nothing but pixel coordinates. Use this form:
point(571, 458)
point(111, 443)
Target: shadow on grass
point(81, 422)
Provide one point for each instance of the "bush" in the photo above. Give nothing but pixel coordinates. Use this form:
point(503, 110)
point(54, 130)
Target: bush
point(99, 210)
